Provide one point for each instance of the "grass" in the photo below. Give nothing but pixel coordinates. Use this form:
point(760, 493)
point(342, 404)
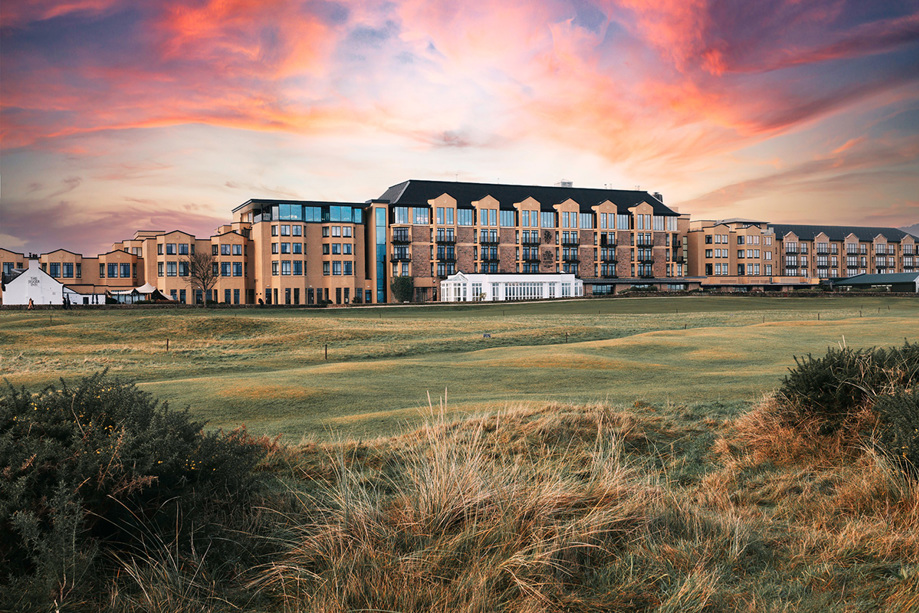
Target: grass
point(267, 368)
point(641, 466)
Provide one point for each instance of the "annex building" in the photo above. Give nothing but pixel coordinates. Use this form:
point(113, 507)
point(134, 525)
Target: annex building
point(299, 252)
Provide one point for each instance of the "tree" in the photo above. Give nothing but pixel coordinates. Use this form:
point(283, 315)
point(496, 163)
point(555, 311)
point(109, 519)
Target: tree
point(403, 288)
point(202, 272)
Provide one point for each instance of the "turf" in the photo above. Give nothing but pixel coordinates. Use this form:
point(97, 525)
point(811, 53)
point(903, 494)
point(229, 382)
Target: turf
point(267, 368)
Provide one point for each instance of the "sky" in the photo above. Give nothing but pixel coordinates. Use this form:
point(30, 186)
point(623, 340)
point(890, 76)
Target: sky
point(119, 115)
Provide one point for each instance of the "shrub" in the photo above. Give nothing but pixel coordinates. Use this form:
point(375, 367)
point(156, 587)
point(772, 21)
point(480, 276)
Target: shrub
point(898, 429)
point(403, 288)
point(101, 465)
point(833, 388)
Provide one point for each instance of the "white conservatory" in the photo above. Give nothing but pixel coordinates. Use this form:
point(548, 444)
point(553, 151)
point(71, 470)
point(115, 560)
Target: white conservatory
point(463, 287)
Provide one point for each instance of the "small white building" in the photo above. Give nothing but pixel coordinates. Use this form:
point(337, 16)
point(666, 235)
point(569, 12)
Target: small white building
point(463, 287)
point(35, 284)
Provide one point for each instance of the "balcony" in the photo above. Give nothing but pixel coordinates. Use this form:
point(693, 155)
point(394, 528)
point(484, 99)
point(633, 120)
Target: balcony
point(446, 258)
point(532, 242)
point(531, 258)
point(401, 257)
point(446, 240)
point(490, 258)
point(488, 241)
point(401, 237)
point(570, 242)
point(571, 258)
point(611, 259)
point(645, 260)
point(606, 243)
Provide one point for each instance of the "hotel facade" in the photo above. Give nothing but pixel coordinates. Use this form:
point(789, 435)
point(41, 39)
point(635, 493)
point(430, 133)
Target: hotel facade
point(296, 252)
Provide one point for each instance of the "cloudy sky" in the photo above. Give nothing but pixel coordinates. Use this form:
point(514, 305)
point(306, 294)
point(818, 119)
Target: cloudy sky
point(119, 115)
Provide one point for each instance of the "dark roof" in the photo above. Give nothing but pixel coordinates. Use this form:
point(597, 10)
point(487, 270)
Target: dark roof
point(893, 278)
point(269, 201)
point(416, 192)
point(839, 233)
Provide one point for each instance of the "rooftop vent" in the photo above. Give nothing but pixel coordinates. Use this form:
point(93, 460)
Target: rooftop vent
point(564, 183)
point(659, 196)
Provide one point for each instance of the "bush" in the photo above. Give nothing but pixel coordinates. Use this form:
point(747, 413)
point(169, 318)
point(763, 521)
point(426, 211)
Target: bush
point(833, 388)
point(101, 466)
point(403, 288)
point(898, 429)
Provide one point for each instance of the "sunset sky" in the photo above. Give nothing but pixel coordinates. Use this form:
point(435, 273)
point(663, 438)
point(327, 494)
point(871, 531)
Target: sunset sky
point(120, 115)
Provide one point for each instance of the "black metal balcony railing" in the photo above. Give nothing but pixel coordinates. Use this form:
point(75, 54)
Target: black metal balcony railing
point(490, 258)
point(401, 257)
point(488, 241)
point(447, 257)
point(401, 237)
point(446, 240)
point(530, 241)
point(646, 259)
point(569, 242)
point(570, 258)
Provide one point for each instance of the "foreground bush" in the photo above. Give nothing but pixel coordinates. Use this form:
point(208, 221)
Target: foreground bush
point(898, 429)
point(104, 467)
point(832, 389)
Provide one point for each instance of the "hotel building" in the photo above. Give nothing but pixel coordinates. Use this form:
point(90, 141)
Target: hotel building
point(296, 252)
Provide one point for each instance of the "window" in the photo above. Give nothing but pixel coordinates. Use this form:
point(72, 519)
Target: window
point(214, 249)
point(422, 216)
point(113, 271)
point(336, 248)
point(285, 268)
point(274, 247)
point(170, 248)
point(285, 230)
point(159, 269)
point(275, 266)
point(159, 249)
point(325, 231)
point(297, 247)
point(55, 269)
point(225, 249)
point(623, 221)
point(325, 268)
point(507, 219)
point(237, 269)
point(347, 231)
point(297, 230)
point(183, 248)
point(465, 217)
point(126, 270)
point(587, 221)
point(336, 268)
point(401, 214)
point(285, 247)
point(79, 270)
point(274, 230)
point(547, 219)
point(170, 269)
point(225, 269)
point(347, 268)
point(298, 267)
point(325, 249)
point(346, 248)
point(336, 230)
point(183, 269)
point(237, 249)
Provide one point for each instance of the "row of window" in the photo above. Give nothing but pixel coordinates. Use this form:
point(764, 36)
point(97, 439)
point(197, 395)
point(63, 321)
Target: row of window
point(532, 219)
point(741, 253)
point(295, 268)
point(175, 248)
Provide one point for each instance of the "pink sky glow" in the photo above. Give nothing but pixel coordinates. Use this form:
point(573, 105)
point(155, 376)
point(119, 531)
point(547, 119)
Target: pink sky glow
point(118, 115)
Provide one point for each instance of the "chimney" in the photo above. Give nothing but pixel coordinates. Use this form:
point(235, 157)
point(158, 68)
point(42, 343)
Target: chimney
point(658, 196)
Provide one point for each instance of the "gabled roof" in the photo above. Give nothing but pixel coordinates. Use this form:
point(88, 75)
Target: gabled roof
point(838, 233)
point(417, 192)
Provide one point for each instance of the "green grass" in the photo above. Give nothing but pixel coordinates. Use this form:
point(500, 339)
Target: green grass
point(267, 368)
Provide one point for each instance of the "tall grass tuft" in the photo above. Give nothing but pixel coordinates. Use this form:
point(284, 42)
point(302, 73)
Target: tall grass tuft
point(467, 523)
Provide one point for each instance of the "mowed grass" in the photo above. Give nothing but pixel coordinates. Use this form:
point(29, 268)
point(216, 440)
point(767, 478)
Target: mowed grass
point(266, 368)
